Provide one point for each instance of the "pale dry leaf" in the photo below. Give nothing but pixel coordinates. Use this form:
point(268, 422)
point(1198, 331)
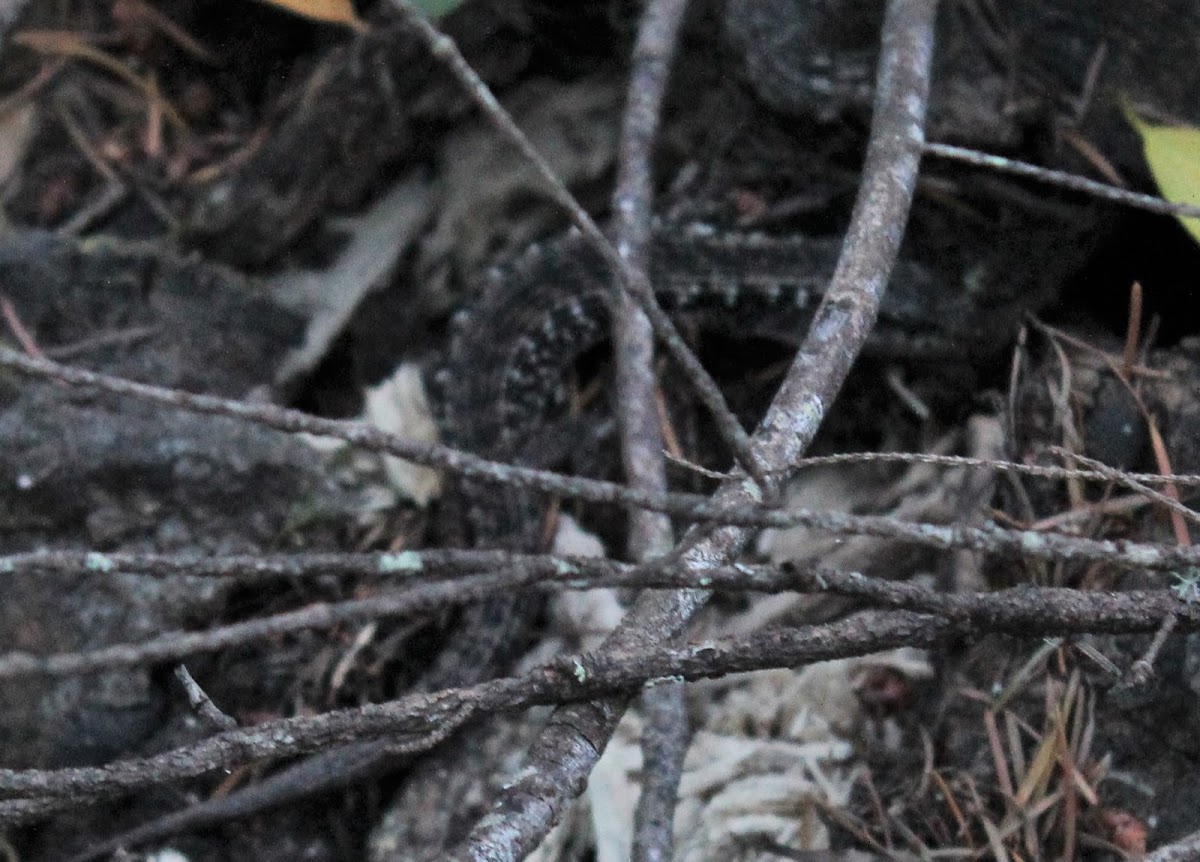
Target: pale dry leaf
point(770, 754)
point(773, 751)
point(585, 617)
point(329, 297)
point(572, 540)
point(781, 805)
point(612, 792)
point(400, 405)
point(836, 488)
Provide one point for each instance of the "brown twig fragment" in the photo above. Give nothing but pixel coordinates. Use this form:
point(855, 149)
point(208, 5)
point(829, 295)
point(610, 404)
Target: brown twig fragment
point(18, 329)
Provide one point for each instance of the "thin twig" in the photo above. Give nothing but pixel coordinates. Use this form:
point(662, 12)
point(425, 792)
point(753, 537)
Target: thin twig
point(665, 732)
point(173, 646)
point(427, 598)
point(1044, 471)
point(583, 677)
point(641, 436)
point(361, 435)
point(1062, 179)
point(664, 746)
point(1142, 670)
point(18, 329)
point(786, 435)
point(118, 337)
point(201, 703)
point(435, 564)
point(1117, 477)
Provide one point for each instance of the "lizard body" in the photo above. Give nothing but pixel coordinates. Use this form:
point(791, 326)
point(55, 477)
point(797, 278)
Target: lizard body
point(504, 375)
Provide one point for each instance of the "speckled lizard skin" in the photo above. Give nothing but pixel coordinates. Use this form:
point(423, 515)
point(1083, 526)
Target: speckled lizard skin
point(504, 374)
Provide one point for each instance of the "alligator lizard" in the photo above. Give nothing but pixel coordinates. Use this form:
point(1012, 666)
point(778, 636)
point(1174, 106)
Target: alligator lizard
point(504, 375)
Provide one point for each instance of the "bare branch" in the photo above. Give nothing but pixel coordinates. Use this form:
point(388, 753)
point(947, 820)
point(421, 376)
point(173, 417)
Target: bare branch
point(555, 574)
point(664, 736)
point(1024, 613)
point(780, 435)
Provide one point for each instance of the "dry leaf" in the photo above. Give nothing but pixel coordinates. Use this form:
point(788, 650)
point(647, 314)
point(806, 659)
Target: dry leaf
point(65, 43)
point(400, 405)
point(1173, 154)
point(329, 11)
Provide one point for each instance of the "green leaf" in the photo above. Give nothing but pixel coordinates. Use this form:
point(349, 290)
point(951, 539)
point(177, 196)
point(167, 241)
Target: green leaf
point(437, 8)
point(1173, 154)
